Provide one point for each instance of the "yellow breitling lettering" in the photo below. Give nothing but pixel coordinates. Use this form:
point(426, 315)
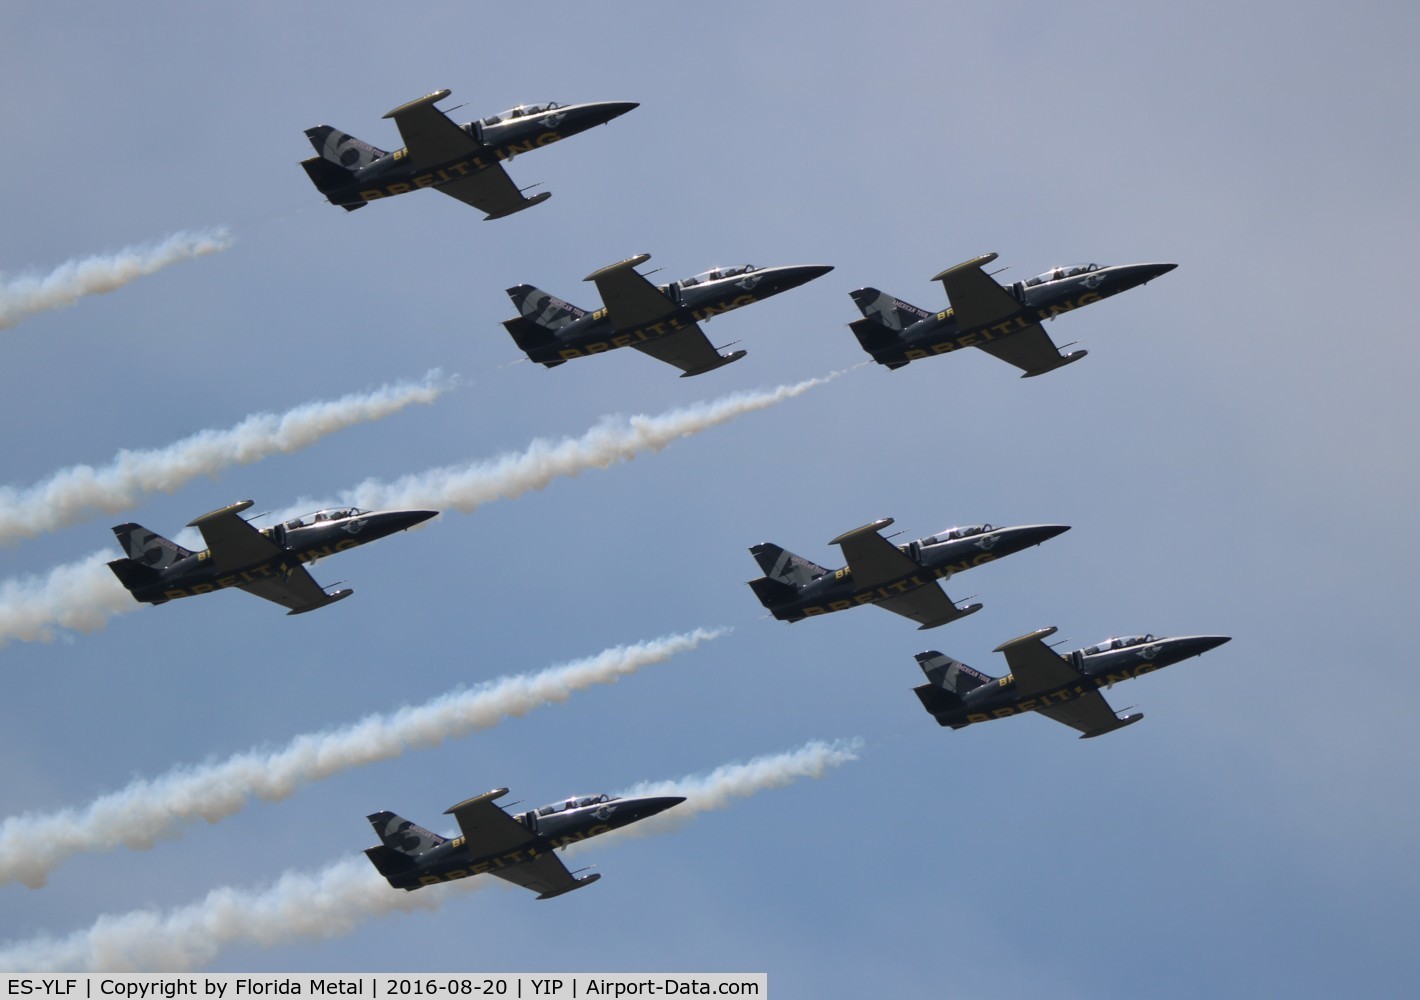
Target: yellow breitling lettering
point(547, 139)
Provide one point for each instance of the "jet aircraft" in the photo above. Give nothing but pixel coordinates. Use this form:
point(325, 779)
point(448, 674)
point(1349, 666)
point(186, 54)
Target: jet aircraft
point(462, 161)
point(661, 321)
point(1002, 321)
point(519, 849)
point(900, 578)
point(1064, 688)
point(265, 562)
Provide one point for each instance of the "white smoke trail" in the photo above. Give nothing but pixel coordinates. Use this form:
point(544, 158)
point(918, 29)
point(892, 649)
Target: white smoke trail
point(32, 846)
point(74, 494)
point(84, 595)
point(334, 900)
point(26, 294)
point(613, 440)
point(81, 596)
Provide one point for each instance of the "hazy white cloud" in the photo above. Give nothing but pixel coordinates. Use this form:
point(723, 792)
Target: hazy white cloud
point(24, 295)
point(77, 493)
point(336, 899)
point(32, 846)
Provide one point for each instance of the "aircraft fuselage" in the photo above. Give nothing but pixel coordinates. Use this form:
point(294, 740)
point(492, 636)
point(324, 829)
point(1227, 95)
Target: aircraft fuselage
point(999, 698)
point(453, 859)
point(838, 591)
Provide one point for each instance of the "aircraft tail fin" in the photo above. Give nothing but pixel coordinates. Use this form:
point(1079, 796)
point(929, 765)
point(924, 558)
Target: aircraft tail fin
point(947, 681)
point(341, 149)
point(148, 548)
point(886, 310)
point(542, 309)
point(950, 675)
point(782, 566)
point(402, 837)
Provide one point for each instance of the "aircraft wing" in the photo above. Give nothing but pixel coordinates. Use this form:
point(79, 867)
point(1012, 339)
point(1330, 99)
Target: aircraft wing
point(871, 557)
point(545, 875)
point(689, 350)
point(630, 299)
point(975, 297)
point(1030, 349)
point(430, 138)
point(977, 300)
point(1036, 667)
point(1089, 713)
point(928, 606)
point(487, 829)
point(231, 542)
point(296, 591)
point(491, 190)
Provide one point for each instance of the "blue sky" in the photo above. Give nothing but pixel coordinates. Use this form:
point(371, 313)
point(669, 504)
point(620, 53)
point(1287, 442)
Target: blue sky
point(1233, 457)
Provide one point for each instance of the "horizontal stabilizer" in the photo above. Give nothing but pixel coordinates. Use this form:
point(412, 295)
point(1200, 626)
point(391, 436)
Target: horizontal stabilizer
point(577, 884)
point(773, 593)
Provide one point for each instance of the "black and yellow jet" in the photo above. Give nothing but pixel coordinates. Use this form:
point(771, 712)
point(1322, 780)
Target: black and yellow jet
point(1004, 321)
point(899, 578)
point(660, 321)
point(518, 849)
point(265, 562)
point(462, 161)
point(1065, 688)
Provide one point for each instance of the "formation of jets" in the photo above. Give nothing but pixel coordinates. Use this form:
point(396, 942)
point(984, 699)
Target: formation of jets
point(665, 322)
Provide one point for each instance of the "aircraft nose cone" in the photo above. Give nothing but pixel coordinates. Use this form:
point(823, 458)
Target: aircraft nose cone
point(661, 803)
point(605, 111)
point(402, 520)
point(1036, 533)
point(1197, 645)
point(800, 274)
point(1148, 272)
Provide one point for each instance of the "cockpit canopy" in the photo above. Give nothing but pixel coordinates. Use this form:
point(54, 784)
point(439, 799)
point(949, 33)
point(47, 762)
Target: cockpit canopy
point(1121, 642)
point(329, 514)
point(951, 534)
point(576, 802)
point(1056, 273)
point(521, 111)
point(715, 274)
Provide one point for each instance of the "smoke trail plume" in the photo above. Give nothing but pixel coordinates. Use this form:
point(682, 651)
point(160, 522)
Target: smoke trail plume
point(334, 900)
point(610, 442)
point(24, 295)
point(83, 595)
point(77, 493)
point(32, 846)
